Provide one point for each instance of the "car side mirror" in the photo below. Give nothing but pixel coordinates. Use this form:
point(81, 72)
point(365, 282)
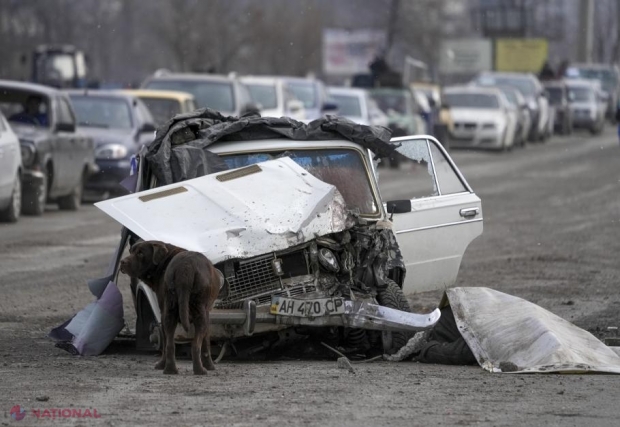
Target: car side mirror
point(65, 127)
point(398, 206)
point(148, 127)
point(329, 107)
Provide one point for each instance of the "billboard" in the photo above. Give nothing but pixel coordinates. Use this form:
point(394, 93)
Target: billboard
point(465, 56)
point(350, 52)
point(523, 55)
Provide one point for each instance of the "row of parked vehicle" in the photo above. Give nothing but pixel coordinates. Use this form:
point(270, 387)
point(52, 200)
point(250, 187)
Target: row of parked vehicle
point(503, 110)
point(55, 146)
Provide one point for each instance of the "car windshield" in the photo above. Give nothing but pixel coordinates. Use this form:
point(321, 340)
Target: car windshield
point(102, 112)
point(348, 105)
point(162, 109)
point(555, 95)
point(263, 94)
point(343, 168)
point(606, 77)
point(582, 94)
point(471, 100)
point(305, 92)
point(392, 100)
point(215, 95)
point(510, 95)
point(524, 85)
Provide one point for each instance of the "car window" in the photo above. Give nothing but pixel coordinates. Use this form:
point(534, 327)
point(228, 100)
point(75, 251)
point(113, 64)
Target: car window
point(342, 168)
point(102, 111)
point(64, 112)
point(264, 94)
point(410, 174)
point(305, 92)
point(211, 94)
point(471, 100)
point(162, 109)
point(449, 182)
point(145, 115)
point(348, 105)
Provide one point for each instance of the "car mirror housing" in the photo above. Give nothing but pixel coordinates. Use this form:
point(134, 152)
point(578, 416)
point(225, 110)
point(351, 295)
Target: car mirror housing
point(398, 206)
point(65, 127)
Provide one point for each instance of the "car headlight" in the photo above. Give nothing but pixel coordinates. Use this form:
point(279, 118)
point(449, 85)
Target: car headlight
point(328, 260)
point(532, 104)
point(28, 154)
point(111, 152)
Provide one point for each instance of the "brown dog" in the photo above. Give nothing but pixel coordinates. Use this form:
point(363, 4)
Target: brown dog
point(186, 285)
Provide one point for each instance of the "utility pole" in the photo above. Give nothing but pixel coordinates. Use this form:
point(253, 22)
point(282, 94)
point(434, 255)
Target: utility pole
point(586, 30)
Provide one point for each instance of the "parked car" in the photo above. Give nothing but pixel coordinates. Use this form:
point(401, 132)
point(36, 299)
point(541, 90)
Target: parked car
point(294, 261)
point(524, 121)
point(607, 75)
point(401, 108)
point(273, 97)
point(225, 94)
point(313, 94)
point(10, 173)
point(357, 105)
point(57, 160)
point(119, 124)
point(559, 98)
point(483, 117)
point(534, 94)
point(587, 105)
point(164, 104)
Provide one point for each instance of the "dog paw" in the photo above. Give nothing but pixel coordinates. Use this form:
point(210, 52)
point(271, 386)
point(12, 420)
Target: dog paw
point(171, 371)
point(160, 365)
point(201, 371)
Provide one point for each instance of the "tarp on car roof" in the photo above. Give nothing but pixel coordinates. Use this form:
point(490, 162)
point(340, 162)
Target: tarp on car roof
point(179, 151)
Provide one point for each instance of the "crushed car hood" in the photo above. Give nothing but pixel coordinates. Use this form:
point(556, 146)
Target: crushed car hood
point(240, 213)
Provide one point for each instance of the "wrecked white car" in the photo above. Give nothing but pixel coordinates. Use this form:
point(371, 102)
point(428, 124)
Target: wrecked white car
point(311, 240)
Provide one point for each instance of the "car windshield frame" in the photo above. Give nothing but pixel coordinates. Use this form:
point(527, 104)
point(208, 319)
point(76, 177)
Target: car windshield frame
point(113, 123)
point(201, 99)
point(370, 193)
point(468, 97)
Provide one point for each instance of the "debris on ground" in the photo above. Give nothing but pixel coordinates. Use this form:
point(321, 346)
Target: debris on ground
point(345, 363)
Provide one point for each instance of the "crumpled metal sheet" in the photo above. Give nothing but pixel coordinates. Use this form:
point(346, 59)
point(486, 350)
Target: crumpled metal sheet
point(236, 214)
point(509, 334)
point(179, 151)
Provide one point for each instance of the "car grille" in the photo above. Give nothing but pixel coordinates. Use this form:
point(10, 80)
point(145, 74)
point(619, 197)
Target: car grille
point(255, 279)
point(465, 125)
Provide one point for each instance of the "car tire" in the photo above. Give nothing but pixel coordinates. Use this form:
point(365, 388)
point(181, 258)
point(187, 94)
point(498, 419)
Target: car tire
point(33, 202)
point(13, 210)
point(392, 296)
point(73, 200)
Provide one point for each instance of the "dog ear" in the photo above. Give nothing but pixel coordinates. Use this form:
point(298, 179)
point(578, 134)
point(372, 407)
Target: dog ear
point(159, 252)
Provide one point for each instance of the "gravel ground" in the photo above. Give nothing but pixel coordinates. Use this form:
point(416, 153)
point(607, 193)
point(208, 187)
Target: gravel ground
point(551, 214)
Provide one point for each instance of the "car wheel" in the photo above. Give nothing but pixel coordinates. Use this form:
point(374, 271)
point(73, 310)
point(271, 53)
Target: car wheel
point(34, 201)
point(392, 296)
point(73, 200)
point(12, 211)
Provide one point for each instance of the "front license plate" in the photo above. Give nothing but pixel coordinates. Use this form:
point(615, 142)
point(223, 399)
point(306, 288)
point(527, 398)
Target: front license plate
point(306, 307)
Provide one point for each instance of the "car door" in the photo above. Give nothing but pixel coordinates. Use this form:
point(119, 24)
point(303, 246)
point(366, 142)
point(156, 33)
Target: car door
point(6, 162)
point(70, 153)
point(445, 215)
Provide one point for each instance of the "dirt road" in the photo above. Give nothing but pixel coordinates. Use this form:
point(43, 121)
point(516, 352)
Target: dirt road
point(551, 212)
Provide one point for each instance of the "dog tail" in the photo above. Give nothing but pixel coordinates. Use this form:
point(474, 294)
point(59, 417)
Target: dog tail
point(184, 310)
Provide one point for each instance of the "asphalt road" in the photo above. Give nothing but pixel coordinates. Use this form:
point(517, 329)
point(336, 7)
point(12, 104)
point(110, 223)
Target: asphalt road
point(551, 211)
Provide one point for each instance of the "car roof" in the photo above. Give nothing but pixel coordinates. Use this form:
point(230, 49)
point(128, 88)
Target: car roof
point(339, 90)
point(154, 93)
point(278, 144)
point(191, 77)
point(30, 87)
point(488, 90)
point(101, 93)
point(508, 74)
